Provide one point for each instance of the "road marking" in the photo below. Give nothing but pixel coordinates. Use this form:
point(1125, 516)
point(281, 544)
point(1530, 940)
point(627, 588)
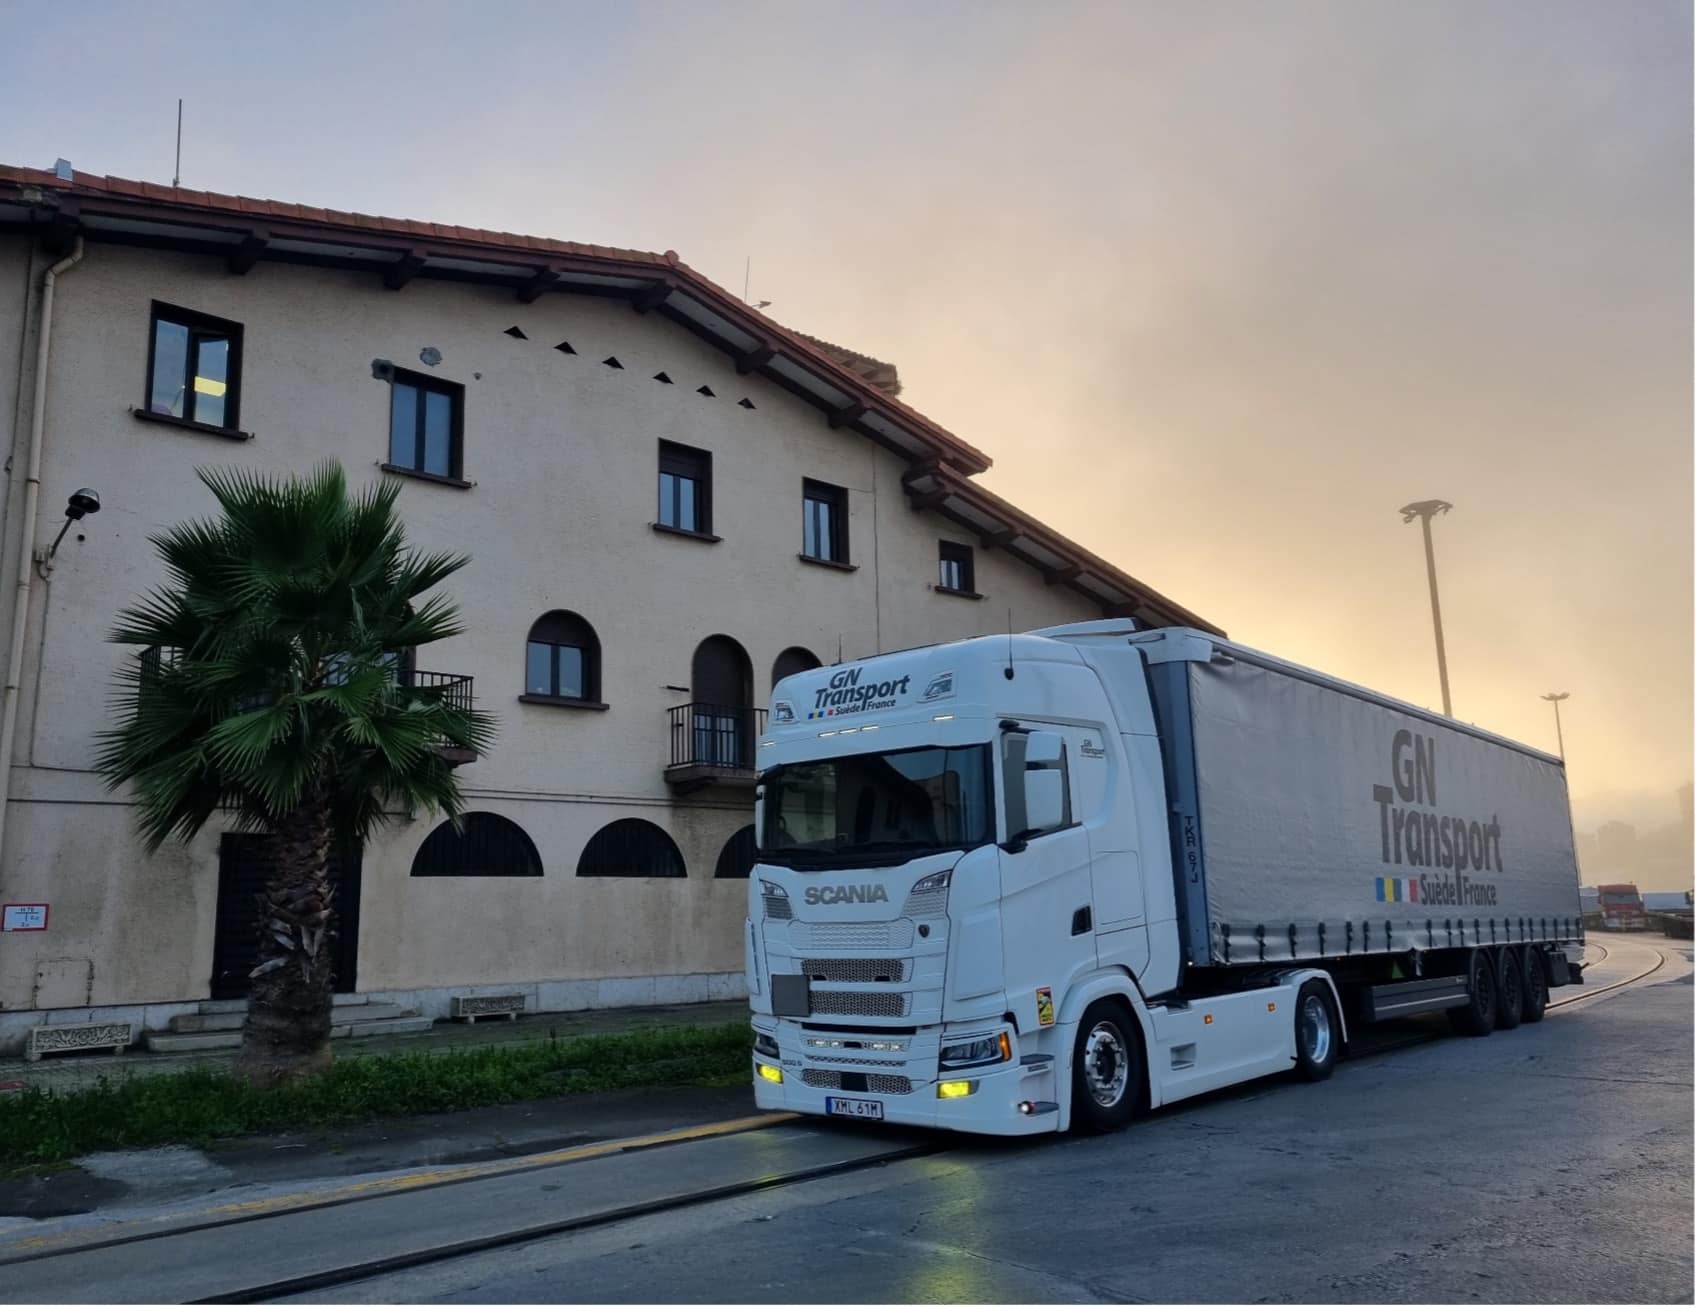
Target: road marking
point(180, 1222)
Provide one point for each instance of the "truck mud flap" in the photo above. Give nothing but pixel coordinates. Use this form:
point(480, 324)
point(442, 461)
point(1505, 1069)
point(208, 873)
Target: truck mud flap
point(1410, 997)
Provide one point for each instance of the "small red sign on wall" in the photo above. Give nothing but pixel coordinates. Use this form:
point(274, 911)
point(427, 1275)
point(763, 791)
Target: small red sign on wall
point(23, 916)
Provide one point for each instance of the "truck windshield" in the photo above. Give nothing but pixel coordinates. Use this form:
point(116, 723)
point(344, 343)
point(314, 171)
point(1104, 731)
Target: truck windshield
point(877, 808)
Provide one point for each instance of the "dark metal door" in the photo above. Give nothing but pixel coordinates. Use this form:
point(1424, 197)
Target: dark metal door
point(244, 866)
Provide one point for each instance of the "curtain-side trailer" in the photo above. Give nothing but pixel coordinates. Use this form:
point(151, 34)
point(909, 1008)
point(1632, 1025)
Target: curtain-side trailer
point(1018, 884)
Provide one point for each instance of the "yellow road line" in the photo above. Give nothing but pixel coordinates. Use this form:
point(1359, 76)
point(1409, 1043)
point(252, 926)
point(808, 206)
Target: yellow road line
point(394, 1184)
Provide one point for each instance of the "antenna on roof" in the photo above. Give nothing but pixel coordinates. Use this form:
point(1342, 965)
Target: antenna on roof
point(747, 259)
point(177, 172)
point(839, 649)
point(1008, 671)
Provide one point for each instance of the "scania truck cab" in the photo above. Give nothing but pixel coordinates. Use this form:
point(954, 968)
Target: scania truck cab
point(963, 911)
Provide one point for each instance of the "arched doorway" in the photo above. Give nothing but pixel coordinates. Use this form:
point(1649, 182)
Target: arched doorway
point(722, 684)
point(792, 660)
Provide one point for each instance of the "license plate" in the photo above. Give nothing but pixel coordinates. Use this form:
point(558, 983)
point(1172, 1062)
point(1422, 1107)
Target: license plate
point(862, 1108)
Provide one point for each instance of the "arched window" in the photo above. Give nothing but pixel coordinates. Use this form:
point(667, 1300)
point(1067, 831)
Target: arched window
point(737, 858)
point(486, 845)
point(793, 660)
point(631, 847)
point(723, 721)
point(562, 660)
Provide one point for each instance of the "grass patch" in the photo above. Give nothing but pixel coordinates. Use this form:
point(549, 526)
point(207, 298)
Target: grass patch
point(40, 1127)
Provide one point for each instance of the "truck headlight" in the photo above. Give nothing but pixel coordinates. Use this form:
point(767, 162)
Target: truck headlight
point(765, 1044)
point(938, 880)
point(981, 1051)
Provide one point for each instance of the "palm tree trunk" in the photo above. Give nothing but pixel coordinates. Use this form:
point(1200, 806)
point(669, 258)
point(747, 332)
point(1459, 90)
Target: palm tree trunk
point(287, 1032)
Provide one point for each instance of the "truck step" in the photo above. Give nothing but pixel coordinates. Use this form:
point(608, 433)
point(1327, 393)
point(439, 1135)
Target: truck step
point(1406, 998)
point(1037, 1060)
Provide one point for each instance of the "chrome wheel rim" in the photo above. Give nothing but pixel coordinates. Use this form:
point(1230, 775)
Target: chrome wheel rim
point(1317, 1029)
point(1105, 1064)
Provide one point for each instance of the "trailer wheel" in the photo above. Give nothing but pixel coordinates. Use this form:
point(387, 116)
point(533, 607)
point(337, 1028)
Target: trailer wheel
point(1317, 1031)
point(1535, 989)
point(1509, 989)
point(1479, 1017)
point(1108, 1066)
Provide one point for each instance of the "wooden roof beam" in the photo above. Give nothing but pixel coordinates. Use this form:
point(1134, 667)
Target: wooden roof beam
point(545, 279)
point(755, 358)
point(846, 417)
point(405, 268)
point(652, 296)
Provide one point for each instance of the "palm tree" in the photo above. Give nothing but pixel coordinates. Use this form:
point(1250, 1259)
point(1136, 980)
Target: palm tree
point(274, 688)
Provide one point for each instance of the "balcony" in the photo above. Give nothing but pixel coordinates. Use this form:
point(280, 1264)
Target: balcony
point(449, 687)
point(712, 744)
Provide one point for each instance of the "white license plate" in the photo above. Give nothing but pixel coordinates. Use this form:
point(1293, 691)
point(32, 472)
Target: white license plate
point(862, 1108)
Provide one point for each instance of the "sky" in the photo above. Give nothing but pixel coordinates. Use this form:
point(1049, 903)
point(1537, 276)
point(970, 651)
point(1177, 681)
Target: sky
point(1218, 287)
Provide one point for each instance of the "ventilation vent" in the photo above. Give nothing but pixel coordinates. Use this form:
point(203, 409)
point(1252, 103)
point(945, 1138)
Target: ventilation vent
point(704, 390)
point(745, 402)
point(515, 333)
point(612, 362)
point(662, 377)
point(565, 347)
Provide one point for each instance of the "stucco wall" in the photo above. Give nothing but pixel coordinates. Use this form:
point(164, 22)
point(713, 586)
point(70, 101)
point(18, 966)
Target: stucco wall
point(563, 453)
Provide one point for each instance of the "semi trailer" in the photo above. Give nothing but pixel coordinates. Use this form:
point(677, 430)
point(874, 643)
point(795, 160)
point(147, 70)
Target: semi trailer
point(1037, 882)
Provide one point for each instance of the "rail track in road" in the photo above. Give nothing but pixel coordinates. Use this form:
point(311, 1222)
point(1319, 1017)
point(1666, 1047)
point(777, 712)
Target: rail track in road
point(441, 1215)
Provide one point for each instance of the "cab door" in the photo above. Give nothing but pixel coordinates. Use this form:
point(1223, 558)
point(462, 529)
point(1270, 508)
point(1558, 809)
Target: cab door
point(1045, 859)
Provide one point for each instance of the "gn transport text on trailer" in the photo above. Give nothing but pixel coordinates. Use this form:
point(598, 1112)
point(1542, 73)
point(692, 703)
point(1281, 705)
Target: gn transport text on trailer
point(1027, 883)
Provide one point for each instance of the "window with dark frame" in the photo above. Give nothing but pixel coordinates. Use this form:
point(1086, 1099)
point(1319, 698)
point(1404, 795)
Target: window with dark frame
point(825, 522)
point(686, 488)
point(955, 567)
point(194, 367)
point(425, 420)
point(631, 847)
point(487, 844)
point(563, 659)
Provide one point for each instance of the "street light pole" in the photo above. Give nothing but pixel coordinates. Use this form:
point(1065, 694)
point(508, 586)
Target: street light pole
point(1555, 701)
point(1425, 511)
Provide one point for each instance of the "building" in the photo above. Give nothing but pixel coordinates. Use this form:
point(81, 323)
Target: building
point(670, 500)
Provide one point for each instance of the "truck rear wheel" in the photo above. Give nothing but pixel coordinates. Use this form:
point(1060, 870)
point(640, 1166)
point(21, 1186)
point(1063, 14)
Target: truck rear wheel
point(1317, 1031)
point(1479, 1017)
point(1535, 990)
point(1108, 1066)
point(1509, 988)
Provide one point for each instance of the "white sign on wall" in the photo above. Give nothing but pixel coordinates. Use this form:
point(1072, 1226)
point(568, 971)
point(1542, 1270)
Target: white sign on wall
point(23, 916)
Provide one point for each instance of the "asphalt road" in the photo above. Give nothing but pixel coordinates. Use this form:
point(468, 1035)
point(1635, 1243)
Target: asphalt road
point(1551, 1163)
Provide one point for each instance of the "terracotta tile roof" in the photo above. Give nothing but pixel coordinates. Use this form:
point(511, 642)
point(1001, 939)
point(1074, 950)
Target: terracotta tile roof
point(870, 383)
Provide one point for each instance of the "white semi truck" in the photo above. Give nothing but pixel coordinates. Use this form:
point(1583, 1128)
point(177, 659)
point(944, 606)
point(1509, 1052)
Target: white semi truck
point(1029, 883)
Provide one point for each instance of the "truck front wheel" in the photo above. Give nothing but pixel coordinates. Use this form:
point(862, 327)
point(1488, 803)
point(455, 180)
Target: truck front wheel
point(1480, 1016)
point(1509, 988)
point(1317, 1031)
point(1108, 1066)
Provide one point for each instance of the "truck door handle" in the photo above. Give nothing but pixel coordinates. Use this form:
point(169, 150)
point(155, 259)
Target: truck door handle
point(1082, 921)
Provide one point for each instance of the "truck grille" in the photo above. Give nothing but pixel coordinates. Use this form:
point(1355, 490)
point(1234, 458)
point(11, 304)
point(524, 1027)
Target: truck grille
point(818, 1079)
point(851, 1003)
point(852, 934)
point(928, 904)
point(852, 1061)
point(856, 971)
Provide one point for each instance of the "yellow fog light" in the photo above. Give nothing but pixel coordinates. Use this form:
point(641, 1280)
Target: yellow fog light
point(955, 1088)
point(771, 1073)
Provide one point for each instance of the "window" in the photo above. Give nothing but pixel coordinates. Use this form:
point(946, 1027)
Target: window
point(686, 488)
point(954, 567)
point(425, 416)
point(562, 660)
point(737, 858)
point(825, 522)
point(631, 847)
point(791, 661)
point(1032, 751)
point(194, 367)
point(487, 844)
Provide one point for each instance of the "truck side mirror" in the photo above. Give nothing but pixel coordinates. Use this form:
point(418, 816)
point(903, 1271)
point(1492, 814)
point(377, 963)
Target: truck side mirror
point(1044, 807)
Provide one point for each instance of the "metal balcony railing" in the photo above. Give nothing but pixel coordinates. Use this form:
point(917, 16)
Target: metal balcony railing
point(716, 736)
